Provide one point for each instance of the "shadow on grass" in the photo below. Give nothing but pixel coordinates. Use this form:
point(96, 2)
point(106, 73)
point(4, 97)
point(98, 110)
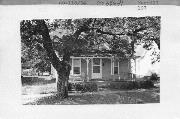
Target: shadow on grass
point(74, 100)
point(144, 96)
point(82, 99)
point(36, 81)
point(112, 97)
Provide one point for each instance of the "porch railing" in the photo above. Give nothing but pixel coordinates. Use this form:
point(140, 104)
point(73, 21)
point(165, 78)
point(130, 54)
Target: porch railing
point(122, 76)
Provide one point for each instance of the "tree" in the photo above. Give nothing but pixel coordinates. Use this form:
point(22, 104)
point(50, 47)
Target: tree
point(84, 36)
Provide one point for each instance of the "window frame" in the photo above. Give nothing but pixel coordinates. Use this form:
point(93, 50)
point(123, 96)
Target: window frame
point(99, 65)
point(76, 66)
point(113, 66)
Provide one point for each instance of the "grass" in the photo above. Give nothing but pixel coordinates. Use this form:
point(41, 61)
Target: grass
point(45, 94)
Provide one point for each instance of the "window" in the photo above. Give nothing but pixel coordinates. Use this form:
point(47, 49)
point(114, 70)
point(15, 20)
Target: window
point(76, 66)
point(96, 65)
point(76, 70)
point(115, 67)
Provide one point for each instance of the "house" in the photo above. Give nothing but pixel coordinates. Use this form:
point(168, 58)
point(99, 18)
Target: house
point(142, 65)
point(109, 68)
point(98, 68)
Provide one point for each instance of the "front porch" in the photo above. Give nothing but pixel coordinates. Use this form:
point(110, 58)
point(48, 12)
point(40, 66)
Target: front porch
point(85, 69)
point(121, 77)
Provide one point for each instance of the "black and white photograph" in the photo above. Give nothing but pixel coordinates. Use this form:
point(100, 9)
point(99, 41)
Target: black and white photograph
point(88, 61)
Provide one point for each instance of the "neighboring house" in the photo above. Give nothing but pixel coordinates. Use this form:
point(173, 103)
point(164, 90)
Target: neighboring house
point(28, 69)
point(28, 72)
point(142, 64)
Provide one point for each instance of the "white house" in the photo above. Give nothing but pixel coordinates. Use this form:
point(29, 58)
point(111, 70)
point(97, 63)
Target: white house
point(87, 68)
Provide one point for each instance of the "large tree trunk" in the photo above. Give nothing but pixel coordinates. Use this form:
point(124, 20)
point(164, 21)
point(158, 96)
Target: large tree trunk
point(63, 77)
point(62, 86)
point(62, 67)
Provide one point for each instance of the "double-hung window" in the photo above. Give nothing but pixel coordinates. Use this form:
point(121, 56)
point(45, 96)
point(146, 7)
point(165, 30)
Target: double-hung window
point(115, 67)
point(76, 66)
point(96, 65)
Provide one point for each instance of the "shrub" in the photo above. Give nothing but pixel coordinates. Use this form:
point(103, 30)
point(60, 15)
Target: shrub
point(70, 86)
point(129, 85)
point(121, 85)
point(78, 86)
point(146, 84)
point(86, 87)
point(90, 87)
point(154, 77)
point(29, 80)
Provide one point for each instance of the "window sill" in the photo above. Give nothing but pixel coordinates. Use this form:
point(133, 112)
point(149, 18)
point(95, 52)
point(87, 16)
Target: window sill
point(75, 74)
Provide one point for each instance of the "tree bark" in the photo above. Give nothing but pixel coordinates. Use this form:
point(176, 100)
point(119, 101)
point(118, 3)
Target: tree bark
point(62, 84)
point(62, 67)
point(63, 76)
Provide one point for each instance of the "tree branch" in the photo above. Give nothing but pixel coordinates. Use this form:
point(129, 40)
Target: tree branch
point(140, 29)
point(83, 28)
point(108, 33)
point(47, 44)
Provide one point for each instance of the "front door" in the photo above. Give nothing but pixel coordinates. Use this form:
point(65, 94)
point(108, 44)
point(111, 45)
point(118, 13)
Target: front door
point(96, 68)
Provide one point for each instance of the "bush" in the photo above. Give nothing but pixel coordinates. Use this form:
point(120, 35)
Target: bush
point(129, 85)
point(70, 86)
point(154, 77)
point(78, 86)
point(29, 80)
point(121, 85)
point(86, 87)
point(146, 84)
point(90, 87)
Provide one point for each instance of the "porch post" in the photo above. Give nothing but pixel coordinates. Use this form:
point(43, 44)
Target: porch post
point(135, 70)
point(111, 67)
point(72, 66)
point(87, 62)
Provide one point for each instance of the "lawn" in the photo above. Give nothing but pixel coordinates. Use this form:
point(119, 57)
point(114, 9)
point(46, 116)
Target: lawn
point(45, 94)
